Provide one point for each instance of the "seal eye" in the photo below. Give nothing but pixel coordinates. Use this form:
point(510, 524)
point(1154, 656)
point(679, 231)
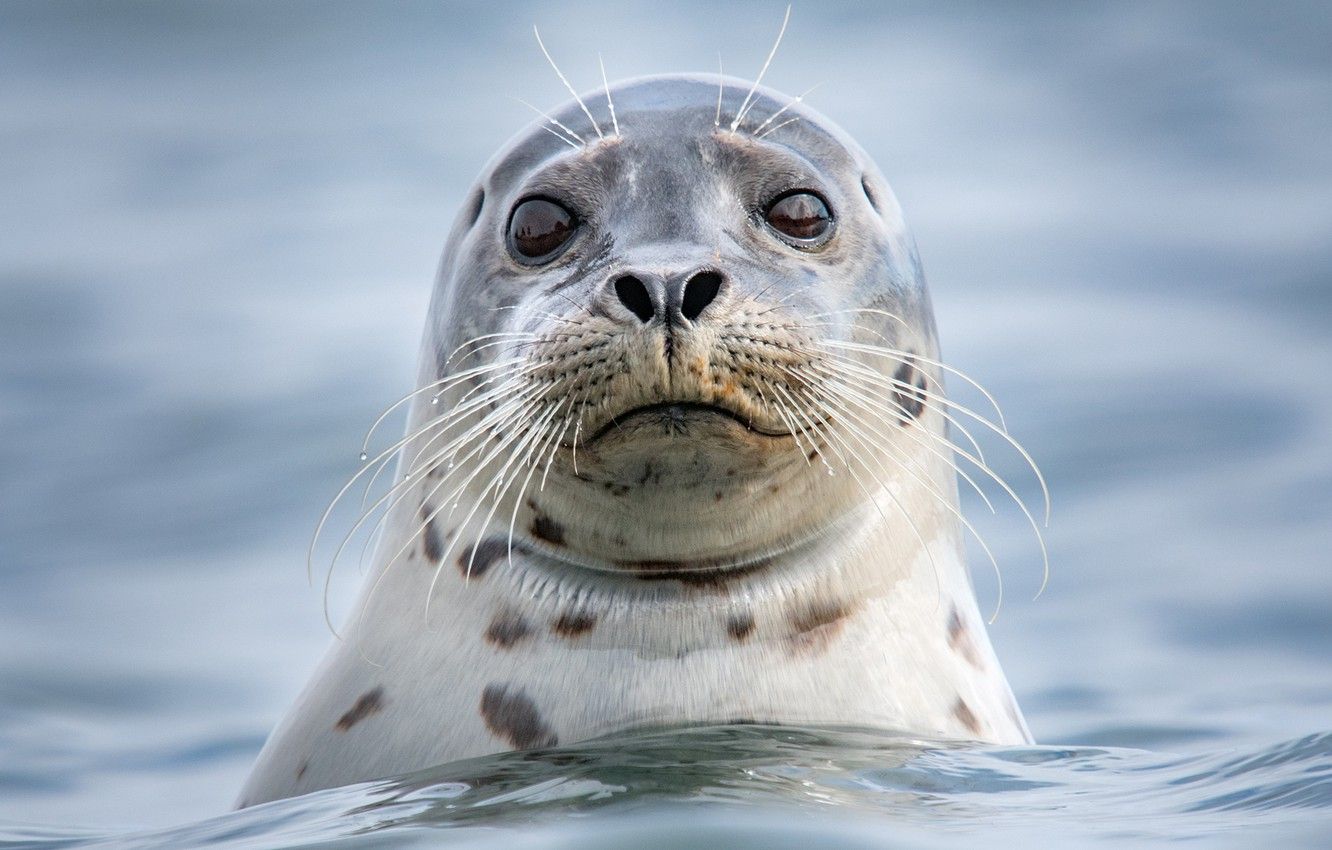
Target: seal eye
point(800, 216)
point(539, 228)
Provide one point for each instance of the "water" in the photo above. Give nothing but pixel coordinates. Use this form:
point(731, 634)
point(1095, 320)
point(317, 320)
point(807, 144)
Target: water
point(218, 228)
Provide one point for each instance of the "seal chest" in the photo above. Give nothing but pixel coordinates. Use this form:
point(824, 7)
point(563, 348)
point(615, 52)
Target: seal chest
point(679, 454)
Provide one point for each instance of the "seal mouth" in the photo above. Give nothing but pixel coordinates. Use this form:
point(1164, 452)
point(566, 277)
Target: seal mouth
point(674, 416)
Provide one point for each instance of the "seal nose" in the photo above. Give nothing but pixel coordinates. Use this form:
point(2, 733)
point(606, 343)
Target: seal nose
point(699, 290)
point(633, 293)
point(683, 296)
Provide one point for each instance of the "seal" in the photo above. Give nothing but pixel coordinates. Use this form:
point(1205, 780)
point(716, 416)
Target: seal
point(678, 454)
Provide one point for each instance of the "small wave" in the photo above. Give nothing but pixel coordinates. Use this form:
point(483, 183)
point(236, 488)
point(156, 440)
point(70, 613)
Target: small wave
point(788, 787)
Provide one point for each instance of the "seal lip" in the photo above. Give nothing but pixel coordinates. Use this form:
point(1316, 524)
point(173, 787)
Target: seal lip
point(619, 419)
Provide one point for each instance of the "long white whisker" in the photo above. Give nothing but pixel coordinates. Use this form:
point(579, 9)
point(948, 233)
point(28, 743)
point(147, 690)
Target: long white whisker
point(552, 119)
point(998, 429)
point(396, 496)
point(517, 442)
point(778, 127)
point(850, 396)
point(953, 421)
point(560, 74)
point(721, 86)
point(792, 102)
point(1022, 506)
point(534, 439)
point(610, 103)
point(898, 411)
point(832, 440)
point(744, 105)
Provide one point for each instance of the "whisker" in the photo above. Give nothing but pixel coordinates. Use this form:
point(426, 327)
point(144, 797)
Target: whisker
point(402, 489)
point(835, 383)
point(930, 361)
point(560, 74)
point(448, 361)
point(758, 131)
point(519, 442)
point(833, 440)
point(778, 127)
point(939, 497)
point(552, 119)
point(721, 86)
point(998, 429)
point(517, 503)
point(744, 105)
point(898, 411)
point(447, 381)
point(610, 103)
point(534, 439)
point(953, 421)
point(1022, 506)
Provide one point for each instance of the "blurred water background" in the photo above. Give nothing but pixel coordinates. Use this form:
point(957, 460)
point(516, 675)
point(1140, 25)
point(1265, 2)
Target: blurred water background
point(218, 229)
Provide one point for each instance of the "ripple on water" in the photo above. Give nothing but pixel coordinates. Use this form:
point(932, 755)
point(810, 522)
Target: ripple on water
point(743, 786)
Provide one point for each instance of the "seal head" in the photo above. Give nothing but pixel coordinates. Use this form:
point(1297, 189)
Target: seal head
point(671, 286)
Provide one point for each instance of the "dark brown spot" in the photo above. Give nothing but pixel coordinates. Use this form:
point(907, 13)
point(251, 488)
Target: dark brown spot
point(960, 639)
point(909, 394)
point(475, 560)
point(814, 626)
point(300, 771)
point(371, 702)
point(717, 496)
point(511, 715)
point(431, 542)
point(963, 712)
point(506, 629)
point(813, 454)
point(574, 623)
point(547, 529)
point(739, 626)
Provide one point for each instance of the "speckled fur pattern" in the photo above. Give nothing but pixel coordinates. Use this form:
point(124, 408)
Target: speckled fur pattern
point(793, 561)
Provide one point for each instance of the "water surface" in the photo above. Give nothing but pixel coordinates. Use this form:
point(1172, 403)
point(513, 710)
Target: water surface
point(219, 227)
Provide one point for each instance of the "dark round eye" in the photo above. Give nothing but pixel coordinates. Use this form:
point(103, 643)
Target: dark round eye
point(539, 228)
point(801, 216)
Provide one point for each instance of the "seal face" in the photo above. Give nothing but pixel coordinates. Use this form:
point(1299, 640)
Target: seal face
point(678, 454)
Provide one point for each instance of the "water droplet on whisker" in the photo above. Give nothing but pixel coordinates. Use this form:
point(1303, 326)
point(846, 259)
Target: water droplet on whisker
point(364, 456)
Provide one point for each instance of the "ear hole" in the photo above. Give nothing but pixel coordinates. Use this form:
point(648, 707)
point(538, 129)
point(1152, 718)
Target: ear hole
point(477, 201)
point(869, 193)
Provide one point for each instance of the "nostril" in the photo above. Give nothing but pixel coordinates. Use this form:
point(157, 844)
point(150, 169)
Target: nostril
point(634, 295)
point(699, 292)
